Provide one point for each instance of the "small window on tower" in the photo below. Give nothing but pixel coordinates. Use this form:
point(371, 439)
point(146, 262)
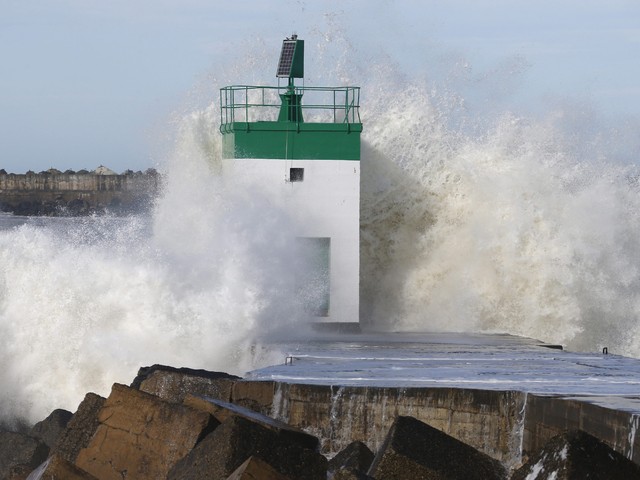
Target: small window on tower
point(296, 174)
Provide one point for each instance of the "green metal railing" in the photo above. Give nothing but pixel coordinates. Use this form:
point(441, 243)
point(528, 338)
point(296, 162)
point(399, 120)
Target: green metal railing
point(247, 103)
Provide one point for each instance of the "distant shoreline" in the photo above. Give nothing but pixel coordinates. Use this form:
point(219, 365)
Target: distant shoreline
point(70, 193)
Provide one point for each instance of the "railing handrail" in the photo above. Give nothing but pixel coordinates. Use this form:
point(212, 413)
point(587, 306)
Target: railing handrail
point(286, 87)
point(236, 97)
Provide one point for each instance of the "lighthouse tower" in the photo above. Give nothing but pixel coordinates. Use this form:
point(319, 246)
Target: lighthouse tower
point(301, 145)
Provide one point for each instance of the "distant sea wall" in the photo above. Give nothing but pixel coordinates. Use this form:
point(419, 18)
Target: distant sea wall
point(55, 193)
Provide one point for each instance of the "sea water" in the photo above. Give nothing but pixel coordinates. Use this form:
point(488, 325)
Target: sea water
point(470, 222)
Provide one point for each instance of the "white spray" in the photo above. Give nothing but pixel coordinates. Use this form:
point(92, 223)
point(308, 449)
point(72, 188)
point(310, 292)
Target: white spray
point(526, 229)
point(517, 228)
point(86, 303)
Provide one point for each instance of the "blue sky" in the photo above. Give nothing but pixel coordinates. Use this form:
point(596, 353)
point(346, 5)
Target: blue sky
point(88, 82)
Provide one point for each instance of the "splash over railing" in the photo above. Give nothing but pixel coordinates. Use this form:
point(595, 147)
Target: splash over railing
point(247, 103)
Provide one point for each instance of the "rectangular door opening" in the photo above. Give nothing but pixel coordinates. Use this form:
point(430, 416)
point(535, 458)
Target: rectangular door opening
point(312, 264)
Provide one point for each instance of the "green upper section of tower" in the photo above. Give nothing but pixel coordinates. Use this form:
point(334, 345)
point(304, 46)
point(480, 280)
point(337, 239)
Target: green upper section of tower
point(274, 123)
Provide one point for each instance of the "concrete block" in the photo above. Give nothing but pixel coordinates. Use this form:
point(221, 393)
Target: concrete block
point(141, 436)
point(57, 468)
point(221, 452)
point(173, 384)
point(356, 456)
point(223, 410)
point(350, 474)
point(20, 449)
point(80, 428)
point(576, 455)
point(50, 429)
point(256, 469)
point(413, 449)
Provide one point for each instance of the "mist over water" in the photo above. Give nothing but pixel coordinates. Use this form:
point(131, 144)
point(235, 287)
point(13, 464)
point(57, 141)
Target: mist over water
point(493, 222)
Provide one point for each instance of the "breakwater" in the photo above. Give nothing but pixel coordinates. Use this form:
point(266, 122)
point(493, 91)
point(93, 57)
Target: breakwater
point(77, 193)
point(505, 396)
point(190, 424)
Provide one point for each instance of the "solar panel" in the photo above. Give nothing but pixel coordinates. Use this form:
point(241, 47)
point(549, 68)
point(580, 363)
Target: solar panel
point(286, 58)
point(291, 63)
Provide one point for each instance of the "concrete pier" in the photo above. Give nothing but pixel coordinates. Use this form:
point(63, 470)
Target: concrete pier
point(506, 396)
point(490, 421)
point(507, 425)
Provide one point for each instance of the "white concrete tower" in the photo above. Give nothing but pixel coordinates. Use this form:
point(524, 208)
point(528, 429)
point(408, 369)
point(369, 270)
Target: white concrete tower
point(308, 157)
